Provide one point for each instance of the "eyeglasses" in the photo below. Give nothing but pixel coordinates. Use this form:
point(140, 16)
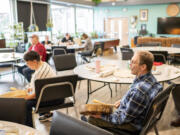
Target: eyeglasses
point(133, 62)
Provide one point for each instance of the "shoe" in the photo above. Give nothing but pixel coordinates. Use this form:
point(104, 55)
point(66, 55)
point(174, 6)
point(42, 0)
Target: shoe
point(83, 118)
point(45, 117)
point(176, 123)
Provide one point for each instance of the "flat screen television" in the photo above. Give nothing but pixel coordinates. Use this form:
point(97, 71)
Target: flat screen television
point(168, 25)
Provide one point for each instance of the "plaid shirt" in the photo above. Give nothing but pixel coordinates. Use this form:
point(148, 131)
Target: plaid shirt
point(135, 103)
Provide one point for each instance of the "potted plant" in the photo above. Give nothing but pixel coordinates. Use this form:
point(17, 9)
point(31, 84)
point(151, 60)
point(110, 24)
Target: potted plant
point(33, 28)
point(96, 1)
point(49, 25)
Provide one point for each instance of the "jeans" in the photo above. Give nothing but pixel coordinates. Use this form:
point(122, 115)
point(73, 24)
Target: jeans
point(26, 72)
point(32, 103)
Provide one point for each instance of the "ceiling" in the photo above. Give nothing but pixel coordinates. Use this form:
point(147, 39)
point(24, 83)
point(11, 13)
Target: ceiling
point(117, 2)
point(107, 2)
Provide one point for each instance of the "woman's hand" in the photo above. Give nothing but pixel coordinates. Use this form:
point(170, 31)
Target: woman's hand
point(117, 103)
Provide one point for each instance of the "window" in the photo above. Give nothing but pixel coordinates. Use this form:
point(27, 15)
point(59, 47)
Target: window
point(63, 19)
point(84, 19)
point(4, 15)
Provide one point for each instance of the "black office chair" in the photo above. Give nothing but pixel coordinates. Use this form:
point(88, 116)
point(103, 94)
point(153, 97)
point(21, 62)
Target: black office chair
point(126, 53)
point(66, 125)
point(64, 62)
point(58, 50)
point(160, 56)
point(153, 114)
point(13, 109)
point(55, 89)
point(88, 55)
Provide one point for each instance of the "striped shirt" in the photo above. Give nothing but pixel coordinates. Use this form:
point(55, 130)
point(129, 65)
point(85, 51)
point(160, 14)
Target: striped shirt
point(44, 71)
point(135, 103)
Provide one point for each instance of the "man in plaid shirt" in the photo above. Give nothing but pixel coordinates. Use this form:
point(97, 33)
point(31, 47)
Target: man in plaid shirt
point(132, 108)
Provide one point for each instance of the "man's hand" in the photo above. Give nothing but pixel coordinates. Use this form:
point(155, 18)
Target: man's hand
point(117, 103)
point(29, 90)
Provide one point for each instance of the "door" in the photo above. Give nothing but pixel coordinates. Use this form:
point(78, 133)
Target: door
point(117, 28)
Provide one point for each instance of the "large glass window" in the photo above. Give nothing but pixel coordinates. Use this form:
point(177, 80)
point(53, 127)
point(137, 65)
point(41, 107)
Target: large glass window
point(84, 20)
point(4, 15)
point(63, 19)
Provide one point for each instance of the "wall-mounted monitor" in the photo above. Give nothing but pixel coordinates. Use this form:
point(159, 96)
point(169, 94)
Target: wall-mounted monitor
point(168, 25)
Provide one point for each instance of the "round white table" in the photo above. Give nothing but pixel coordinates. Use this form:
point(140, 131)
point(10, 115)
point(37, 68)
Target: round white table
point(119, 73)
point(11, 127)
point(170, 50)
point(10, 57)
point(122, 74)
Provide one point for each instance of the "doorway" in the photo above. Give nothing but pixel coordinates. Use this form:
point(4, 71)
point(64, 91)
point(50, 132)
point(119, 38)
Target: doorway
point(117, 28)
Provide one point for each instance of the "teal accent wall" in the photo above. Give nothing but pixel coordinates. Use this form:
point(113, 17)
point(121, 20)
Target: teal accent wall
point(154, 11)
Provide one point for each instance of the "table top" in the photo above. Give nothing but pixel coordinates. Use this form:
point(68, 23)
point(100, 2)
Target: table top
point(10, 57)
point(103, 39)
point(120, 73)
point(74, 46)
point(170, 50)
point(18, 129)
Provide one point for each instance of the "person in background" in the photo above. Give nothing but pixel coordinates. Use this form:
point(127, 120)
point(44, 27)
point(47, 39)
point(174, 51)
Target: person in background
point(46, 41)
point(42, 70)
point(88, 47)
point(88, 43)
point(68, 40)
point(40, 49)
point(132, 108)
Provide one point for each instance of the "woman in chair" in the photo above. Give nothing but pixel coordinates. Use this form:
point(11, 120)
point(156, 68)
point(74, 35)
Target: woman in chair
point(88, 49)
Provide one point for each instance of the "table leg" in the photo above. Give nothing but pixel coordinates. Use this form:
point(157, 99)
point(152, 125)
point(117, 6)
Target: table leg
point(88, 90)
point(115, 48)
point(110, 89)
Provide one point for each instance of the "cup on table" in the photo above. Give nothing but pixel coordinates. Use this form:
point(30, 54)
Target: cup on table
point(98, 64)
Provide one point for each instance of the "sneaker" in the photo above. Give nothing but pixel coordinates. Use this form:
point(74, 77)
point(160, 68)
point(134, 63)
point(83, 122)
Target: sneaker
point(45, 117)
point(83, 118)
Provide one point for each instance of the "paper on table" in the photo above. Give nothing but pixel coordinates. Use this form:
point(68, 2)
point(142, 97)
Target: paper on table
point(123, 74)
point(106, 73)
point(156, 72)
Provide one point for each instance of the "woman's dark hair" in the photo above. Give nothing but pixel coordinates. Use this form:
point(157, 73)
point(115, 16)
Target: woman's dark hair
point(31, 55)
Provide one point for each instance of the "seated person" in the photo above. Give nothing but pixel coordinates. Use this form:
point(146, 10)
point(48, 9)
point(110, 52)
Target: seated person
point(88, 43)
point(88, 47)
point(46, 42)
point(68, 40)
point(42, 70)
point(132, 108)
point(40, 49)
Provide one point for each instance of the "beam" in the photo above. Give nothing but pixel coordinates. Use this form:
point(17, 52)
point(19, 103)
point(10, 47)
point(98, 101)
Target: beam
point(79, 2)
point(137, 2)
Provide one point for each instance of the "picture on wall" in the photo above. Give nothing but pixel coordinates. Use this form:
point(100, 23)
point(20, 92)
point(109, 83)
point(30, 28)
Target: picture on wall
point(143, 15)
